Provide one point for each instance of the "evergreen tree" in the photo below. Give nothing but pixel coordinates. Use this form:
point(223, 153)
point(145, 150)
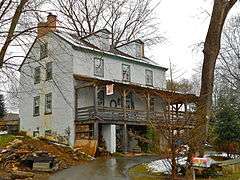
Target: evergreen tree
point(2, 106)
point(227, 127)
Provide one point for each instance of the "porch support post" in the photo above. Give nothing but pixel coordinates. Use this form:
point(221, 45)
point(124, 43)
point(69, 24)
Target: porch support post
point(148, 107)
point(95, 92)
point(95, 128)
point(76, 104)
point(125, 138)
point(125, 132)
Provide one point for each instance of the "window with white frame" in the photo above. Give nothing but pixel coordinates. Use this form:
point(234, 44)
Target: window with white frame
point(126, 73)
point(49, 71)
point(98, 67)
point(48, 103)
point(36, 106)
point(43, 50)
point(37, 75)
point(149, 77)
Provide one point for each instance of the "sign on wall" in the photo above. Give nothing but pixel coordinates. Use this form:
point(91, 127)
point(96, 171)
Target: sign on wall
point(109, 89)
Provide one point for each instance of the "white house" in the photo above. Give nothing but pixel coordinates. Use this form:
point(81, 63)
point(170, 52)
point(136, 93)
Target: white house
point(77, 88)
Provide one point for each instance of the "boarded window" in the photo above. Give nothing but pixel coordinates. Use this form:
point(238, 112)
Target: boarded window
point(126, 72)
point(98, 67)
point(36, 106)
point(149, 77)
point(48, 103)
point(49, 71)
point(37, 75)
point(43, 50)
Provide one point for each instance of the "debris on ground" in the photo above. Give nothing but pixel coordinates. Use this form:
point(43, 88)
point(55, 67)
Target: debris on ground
point(24, 156)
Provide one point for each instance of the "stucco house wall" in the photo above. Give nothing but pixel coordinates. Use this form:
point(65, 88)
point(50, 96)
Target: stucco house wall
point(83, 61)
point(61, 86)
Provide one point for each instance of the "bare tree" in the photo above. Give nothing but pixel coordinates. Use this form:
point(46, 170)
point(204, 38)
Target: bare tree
point(228, 67)
point(212, 43)
point(17, 28)
point(125, 19)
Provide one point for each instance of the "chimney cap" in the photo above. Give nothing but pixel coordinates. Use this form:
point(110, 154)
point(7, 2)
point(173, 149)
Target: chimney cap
point(51, 14)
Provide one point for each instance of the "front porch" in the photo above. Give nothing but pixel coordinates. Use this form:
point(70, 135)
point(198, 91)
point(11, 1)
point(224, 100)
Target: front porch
point(128, 105)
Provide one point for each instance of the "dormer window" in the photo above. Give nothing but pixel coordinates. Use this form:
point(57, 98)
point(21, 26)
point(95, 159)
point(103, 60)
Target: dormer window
point(43, 50)
point(126, 72)
point(149, 77)
point(98, 67)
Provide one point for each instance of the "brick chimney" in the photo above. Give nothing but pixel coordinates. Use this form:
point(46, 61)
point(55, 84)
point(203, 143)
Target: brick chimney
point(45, 27)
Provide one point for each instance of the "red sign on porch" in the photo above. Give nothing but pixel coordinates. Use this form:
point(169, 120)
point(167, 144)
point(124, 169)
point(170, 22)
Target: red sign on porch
point(109, 89)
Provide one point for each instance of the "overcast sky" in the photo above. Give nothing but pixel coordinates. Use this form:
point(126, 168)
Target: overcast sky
point(184, 23)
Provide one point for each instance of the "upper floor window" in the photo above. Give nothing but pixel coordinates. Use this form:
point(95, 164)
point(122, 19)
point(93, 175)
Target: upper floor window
point(48, 103)
point(126, 72)
point(49, 70)
point(149, 77)
point(37, 75)
point(43, 50)
point(98, 67)
point(36, 106)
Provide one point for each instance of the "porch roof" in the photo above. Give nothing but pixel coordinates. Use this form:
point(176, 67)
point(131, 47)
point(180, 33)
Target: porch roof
point(169, 96)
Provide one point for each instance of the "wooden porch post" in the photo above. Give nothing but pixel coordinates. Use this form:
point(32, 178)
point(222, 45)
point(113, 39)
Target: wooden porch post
point(76, 104)
point(95, 126)
point(148, 106)
point(125, 132)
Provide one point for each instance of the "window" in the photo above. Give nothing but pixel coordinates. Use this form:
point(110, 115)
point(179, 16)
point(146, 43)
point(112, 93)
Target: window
point(37, 75)
point(36, 106)
point(98, 67)
point(43, 50)
point(100, 98)
point(126, 72)
point(149, 77)
point(48, 103)
point(49, 70)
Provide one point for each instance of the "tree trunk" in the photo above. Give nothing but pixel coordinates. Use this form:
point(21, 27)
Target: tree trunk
point(212, 43)
point(11, 30)
point(211, 51)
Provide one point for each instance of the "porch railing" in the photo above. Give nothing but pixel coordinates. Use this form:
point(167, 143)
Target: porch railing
point(132, 115)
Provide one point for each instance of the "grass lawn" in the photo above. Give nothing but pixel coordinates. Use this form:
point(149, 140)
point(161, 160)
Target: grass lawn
point(235, 176)
point(141, 172)
point(5, 139)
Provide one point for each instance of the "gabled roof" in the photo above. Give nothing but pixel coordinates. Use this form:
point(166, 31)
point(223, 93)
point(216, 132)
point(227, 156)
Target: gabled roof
point(136, 40)
point(101, 30)
point(78, 42)
point(81, 43)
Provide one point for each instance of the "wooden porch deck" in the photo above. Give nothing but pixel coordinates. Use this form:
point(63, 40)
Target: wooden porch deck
point(134, 117)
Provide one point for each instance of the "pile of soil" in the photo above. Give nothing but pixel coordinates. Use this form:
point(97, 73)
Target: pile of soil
point(18, 150)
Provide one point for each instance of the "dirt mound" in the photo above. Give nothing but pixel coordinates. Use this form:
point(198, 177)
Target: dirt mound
point(25, 154)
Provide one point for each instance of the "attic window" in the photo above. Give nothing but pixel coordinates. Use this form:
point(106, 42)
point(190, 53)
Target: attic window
point(43, 50)
point(98, 67)
point(149, 77)
point(126, 72)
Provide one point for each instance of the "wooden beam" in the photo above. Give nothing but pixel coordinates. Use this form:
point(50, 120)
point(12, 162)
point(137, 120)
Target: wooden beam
point(95, 94)
point(124, 104)
point(85, 85)
point(95, 130)
point(125, 138)
point(76, 103)
point(148, 106)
